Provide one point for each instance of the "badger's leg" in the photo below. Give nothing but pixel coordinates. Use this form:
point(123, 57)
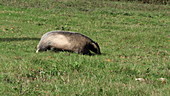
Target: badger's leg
point(85, 51)
point(55, 49)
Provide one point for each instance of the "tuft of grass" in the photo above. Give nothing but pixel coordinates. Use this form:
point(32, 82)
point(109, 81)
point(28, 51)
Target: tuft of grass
point(134, 41)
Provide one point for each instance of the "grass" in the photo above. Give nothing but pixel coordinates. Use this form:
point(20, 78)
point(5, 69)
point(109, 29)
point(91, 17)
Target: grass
point(134, 40)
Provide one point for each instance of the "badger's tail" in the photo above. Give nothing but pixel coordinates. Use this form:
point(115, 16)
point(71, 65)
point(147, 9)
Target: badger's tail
point(37, 50)
point(95, 47)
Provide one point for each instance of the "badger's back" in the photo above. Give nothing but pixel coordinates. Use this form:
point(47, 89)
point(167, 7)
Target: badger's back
point(71, 36)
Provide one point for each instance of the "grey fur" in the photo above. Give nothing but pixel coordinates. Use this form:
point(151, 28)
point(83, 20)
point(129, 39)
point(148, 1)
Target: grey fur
point(67, 41)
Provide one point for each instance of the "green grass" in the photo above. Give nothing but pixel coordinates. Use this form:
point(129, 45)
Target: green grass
point(134, 39)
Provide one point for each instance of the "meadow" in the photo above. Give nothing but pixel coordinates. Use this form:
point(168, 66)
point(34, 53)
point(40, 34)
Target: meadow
point(134, 40)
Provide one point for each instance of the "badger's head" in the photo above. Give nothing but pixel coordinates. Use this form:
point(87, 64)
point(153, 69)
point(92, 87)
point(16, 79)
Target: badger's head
point(95, 48)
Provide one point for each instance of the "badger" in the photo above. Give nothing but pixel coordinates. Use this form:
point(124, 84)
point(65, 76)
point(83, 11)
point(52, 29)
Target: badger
point(67, 41)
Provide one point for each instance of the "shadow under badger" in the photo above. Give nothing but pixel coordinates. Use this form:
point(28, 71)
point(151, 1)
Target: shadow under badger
point(67, 41)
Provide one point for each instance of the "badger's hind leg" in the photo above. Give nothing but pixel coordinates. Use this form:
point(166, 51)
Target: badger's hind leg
point(55, 49)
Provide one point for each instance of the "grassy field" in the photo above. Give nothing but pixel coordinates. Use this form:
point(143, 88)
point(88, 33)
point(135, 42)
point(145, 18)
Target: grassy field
point(134, 39)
